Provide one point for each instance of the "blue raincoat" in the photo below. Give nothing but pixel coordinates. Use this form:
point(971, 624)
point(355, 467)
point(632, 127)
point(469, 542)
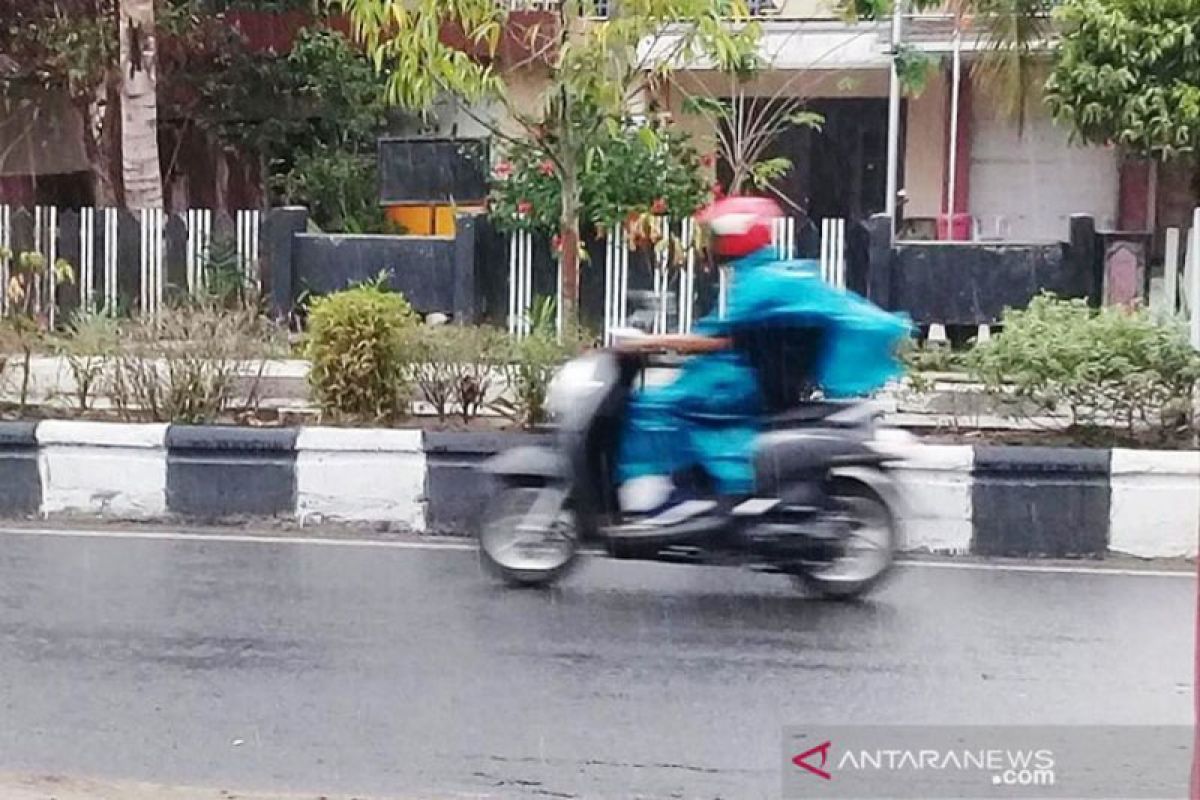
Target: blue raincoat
point(709, 416)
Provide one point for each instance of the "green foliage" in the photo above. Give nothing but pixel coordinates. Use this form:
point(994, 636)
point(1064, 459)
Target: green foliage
point(1128, 73)
point(88, 344)
point(224, 279)
point(1107, 367)
point(531, 367)
point(633, 171)
point(931, 357)
point(314, 117)
point(58, 44)
point(340, 188)
point(456, 367)
point(914, 67)
point(593, 69)
point(1011, 32)
point(359, 346)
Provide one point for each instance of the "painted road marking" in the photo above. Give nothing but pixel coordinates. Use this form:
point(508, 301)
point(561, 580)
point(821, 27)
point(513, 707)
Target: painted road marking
point(453, 545)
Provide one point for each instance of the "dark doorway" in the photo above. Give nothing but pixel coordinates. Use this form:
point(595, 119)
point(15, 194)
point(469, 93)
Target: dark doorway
point(840, 170)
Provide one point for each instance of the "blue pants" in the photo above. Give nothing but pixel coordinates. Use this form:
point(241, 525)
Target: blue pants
point(707, 417)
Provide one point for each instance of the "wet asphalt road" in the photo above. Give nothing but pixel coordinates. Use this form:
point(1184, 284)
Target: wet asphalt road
point(404, 672)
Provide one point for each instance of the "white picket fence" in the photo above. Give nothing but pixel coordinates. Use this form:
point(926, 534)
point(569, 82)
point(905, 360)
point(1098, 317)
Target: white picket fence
point(673, 287)
point(1181, 288)
point(98, 232)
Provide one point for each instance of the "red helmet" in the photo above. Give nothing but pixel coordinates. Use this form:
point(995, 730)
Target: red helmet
point(740, 225)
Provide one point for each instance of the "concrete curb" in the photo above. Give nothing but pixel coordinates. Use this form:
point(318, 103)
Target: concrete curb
point(215, 472)
point(106, 468)
point(961, 499)
point(358, 475)
point(19, 471)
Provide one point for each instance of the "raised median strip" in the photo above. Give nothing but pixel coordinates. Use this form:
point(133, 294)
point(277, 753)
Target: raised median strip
point(960, 499)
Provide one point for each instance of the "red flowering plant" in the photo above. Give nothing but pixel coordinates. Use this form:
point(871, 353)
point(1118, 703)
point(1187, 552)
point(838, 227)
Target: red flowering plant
point(638, 176)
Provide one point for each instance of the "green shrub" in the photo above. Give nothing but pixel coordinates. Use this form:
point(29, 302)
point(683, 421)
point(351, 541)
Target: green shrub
point(927, 357)
point(531, 365)
point(359, 343)
point(1107, 367)
point(455, 367)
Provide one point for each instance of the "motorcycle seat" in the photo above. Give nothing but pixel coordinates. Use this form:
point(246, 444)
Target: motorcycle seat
point(806, 413)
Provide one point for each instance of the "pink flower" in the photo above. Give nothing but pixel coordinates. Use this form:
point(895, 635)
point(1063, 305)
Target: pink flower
point(707, 160)
point(659, 207)
point(556, 243)
point(524, 206)
point(718, 191)
point(503, 170)
point(546, 167)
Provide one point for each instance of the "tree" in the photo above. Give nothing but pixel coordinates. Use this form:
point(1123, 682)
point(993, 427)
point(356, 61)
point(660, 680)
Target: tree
point(69, 46)
point(141, 169)
point(1011, 34)
point(594, 70)
point(312, 117)
point(1128, 73)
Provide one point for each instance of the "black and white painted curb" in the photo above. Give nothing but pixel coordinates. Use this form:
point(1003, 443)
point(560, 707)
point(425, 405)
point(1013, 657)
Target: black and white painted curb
point(982, 500)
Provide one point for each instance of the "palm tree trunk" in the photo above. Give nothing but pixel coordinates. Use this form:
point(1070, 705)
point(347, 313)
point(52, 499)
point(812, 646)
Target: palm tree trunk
point(139, 106)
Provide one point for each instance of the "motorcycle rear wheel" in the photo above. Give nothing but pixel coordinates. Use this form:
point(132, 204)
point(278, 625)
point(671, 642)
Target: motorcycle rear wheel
point(871, 546)
point(525, 547)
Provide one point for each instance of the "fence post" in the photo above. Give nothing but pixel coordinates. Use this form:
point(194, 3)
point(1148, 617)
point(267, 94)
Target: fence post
point(248, 247)
point(1171, 272)
point(111, 228)
point(152, 261)
point(879, 269)
point(45, 237)
point(520, 281)
point(1085, 258)
point(5, 245)
point(1193, 280)
point(87, 257)
point(687, 279)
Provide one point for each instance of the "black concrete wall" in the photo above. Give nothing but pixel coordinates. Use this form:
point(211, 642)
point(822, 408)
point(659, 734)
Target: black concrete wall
point(972, 283)
point(455, 490)
point(20, 482)
point(1040, 501)
point(217, 471)
point(433, 273)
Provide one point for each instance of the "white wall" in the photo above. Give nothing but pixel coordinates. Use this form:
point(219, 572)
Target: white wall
point(1036, 180)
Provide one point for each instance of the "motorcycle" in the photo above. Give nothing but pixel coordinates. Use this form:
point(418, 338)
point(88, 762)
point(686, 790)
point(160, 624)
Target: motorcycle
point(826, 509)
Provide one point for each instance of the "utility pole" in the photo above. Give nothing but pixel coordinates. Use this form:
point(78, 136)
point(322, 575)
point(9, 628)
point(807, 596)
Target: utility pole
point(893, 145)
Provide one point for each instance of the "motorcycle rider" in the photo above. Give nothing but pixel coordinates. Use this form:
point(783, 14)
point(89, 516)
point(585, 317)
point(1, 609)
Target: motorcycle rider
point(688, 445)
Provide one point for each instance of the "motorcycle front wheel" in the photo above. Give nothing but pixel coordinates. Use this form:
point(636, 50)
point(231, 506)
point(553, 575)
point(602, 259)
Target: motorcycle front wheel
point(869, 549)
point(529, 535)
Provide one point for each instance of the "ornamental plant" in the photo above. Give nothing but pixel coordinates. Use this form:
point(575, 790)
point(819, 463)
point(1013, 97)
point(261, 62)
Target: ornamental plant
point(1111, 367)
point(650, 169)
